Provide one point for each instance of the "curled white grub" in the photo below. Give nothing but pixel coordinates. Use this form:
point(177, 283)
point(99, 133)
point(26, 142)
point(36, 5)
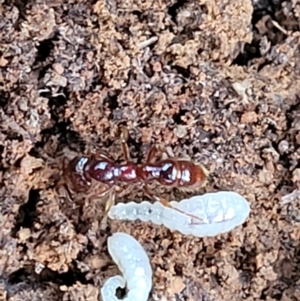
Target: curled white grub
point(219, 212)
point(134, 264)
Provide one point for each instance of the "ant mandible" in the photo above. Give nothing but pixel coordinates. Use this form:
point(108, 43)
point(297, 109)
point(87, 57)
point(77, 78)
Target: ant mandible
point(185, 175)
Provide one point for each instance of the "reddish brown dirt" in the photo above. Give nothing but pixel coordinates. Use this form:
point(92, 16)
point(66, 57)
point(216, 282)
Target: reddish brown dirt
point(215, 81)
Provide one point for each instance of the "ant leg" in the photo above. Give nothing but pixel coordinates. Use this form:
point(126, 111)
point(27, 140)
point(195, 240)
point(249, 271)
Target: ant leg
point(102, 194)
point(167, 204)
point(110, 202)
point(151, 154)
point(164, 150)
point(124, 138)
point(155, 150)
point(100, 156)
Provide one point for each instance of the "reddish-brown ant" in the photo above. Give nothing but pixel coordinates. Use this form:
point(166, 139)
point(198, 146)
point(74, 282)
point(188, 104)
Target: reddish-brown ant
point(171, 172)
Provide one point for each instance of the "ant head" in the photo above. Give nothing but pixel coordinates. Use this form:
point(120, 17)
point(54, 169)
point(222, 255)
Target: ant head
point(74, 173)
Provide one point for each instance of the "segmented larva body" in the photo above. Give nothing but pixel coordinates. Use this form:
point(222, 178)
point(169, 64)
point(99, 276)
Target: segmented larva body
point(134, 264)
point(220, 212)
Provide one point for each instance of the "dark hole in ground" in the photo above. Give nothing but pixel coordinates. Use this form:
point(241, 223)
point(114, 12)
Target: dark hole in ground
point(42, 71)
point(177, 117)
point(137, 13)
point(66, 137)
point(112, 100)
point(284, 159)
point(264, 64)
point(83, 226)
point(97, 84)
point(1, 150)
point(148, 71)
point(69, 278)
point(271, 292)
point(42, 63)
point(172, 11)
point(4, 97)
point(44, 50)
point(27, 212)
point(284, 182)
point(246, 259)
point(251, 51)
point(18, 276)
point(136, 152)
point(182, 71)
point(61, 127)
point(178, 269)
point(218, 245)
point(57, 104)
point(22, 5)
point(12, 135)
point(259, 13)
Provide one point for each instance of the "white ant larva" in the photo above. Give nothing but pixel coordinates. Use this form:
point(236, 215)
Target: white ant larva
point(220, 212)
point(134, 264)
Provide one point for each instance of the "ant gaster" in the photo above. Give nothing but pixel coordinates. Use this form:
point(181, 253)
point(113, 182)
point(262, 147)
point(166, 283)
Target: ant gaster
point(81, 171)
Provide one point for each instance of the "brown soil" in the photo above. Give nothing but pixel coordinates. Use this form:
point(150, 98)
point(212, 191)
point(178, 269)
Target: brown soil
point(215, 81)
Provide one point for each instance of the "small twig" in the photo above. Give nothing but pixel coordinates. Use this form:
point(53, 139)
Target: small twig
point(279, 27)
point(147, 42)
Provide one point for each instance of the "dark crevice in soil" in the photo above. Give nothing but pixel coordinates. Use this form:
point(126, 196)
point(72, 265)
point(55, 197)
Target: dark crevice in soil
point(57, 105)
point(43, 60)
point(22, 6)
point(97, 83)
point(136, 152)
point(61, 127)
point(177, 118)
point(258, 14)
point(178, 269)
point(41, 73)
point(274, 35)
point(172, 11)
point(139, 14)
point(246, 260)
point(69, 278)
point(182, 71)
point(27, 214)
point(1, 151)
point(12, 135)
point(112, 100)
point(44, 49)
point(263, 65)
point(283, 158)
point(251, 51)
point(283, 183)
point(83, 226)
point(4, 98)
point(148, 71)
